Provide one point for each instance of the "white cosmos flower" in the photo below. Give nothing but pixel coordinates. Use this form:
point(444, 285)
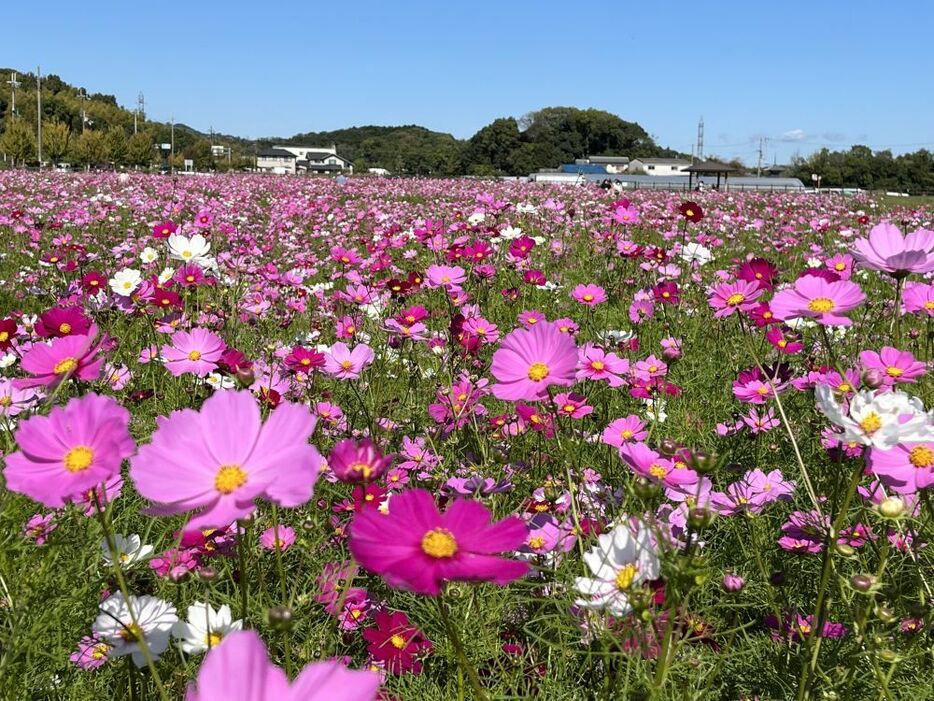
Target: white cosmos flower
point(620, 562)
point(476, 218)
point(115, 625)
point(8, 360)
point(190, 250)
point(166, 275)
point(205, 628)
point(148, 255)
point(878, 419)
point(130, 550)
point(525, 208)
point(125, 282)
point(696, 253)
point(218, 381)
point(510, 233)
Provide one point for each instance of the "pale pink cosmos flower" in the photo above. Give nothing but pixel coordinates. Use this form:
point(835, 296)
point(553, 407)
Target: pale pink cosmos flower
point(63, 358)
point(197, 352)
point(346, 364)
point(594, 363)
point(589, 295)
point(629, 429)
point(447, 276)
point(528, 361)
point(918, 298)
point(220, 459)
point(815, 298)
point(888, 250)
point(895, 365)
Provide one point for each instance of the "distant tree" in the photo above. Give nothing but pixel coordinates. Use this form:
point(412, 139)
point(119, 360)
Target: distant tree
point(18, 141)
point(117, 146)
point(488, 151)
point(140, 149)
point(55, 138)
point(200, 153)
point(90, 148)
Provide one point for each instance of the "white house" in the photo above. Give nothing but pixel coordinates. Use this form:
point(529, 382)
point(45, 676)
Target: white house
point(302, 159)
point(658, 166)
point(612, 164)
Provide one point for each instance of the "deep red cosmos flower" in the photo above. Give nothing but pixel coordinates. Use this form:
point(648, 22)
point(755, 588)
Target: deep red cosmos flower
point(691, 211)
point(7, 333)
point(396, 643)
point(62, 321)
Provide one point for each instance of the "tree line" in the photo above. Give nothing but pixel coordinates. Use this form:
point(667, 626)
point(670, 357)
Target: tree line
point(862, 167)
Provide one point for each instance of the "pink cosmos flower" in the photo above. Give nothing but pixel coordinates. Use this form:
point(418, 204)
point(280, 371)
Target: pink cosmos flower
point(731, 297)
point(197, 352)
point(65, 357)
point(346, 364)
point(277, 538)
point(895, 365)
point(92, 653)
point(69, 451)
point(447, 276)
point(528, 361)
point(589, 295)
point(417, 548)
point(815, 298)
point(39, 527)
point(350, 461)
point(629, 429)
point(888, 250)
point(906, 468)
point(647, 463)
point(594, 363)
point(221, 459)
point(918, 298)
point(573, 406)
point(239, 669)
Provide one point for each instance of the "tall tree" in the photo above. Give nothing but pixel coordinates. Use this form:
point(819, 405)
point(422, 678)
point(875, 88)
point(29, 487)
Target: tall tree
point(18, 141)
point(55, 138)
point(140, 149)
point(90, 149)
point(116, 145)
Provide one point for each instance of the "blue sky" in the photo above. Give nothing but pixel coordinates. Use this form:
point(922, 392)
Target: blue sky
point(802, 74)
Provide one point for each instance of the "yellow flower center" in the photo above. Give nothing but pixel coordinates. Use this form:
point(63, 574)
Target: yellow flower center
point(844, 387)
point(569, 408)
point(625, 577)
point(840, 266)
point(194, 355)
point(346, 364)
point(626, 434)
point(538, 372)
point(64, 327)
point(821, 305)
point(65, 366)
point(362, 468)
point(921, 456)
point(78, 458)
point(4, 336)
point(871, 424)
point(763, 390)
point(588, 298)
point(658, 472)
point(597, 364)
point(6, 401)
point(894, 372)
point(536, 542)
point(187, 254)
point(439, 543)
point(735, 299)
point(929, 305)
point(229, 478)
point(131, 633)
point(100, 651)
point(397, 641)
point(213, 639)
point(306, 361)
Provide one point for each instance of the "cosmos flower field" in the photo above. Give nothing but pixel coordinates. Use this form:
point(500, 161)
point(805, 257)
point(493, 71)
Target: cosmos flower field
point(284, 438)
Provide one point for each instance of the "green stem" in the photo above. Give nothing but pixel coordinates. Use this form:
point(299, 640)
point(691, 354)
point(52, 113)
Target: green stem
point(121, 583)
point(283, 590)
point(242, 536)
point(462, 660)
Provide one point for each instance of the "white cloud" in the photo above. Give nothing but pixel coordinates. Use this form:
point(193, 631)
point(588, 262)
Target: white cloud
point(794, 135)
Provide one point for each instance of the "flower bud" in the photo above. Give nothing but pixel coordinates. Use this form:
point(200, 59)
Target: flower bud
point(645, 489)
point(873, 378)
point(844, 549)
point(668, 447)
point(892, 507)
point(885, 614)
point(733, 583)
point(245, 376)
point(703, 463)
point(207, 573)
point(700, 517)
point(863, 583)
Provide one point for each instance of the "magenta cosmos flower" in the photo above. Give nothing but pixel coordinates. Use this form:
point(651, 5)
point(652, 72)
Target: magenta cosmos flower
point(70, 451)
point(417, 548)
point(589, 295)
point(221, 459)
point(729, 297)
point(239, 670)
point(346, 364)
point(818, 299)
point(895, 365)
point(528, 361)
point(350, 461)
point(888, 250)
point(69, 356)
point(197, 352)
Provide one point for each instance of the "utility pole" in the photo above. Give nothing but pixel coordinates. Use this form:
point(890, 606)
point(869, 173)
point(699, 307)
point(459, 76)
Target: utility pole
point(140, 105)
point(39, 113)
point(172, 161)
point(13, 83)
point(83, 95)
point(700, 139)
point(759, 162)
